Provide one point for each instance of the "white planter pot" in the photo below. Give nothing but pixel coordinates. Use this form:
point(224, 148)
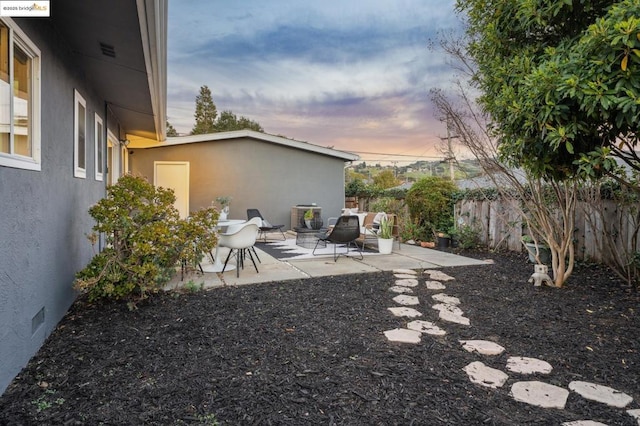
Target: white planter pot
point(385, 245)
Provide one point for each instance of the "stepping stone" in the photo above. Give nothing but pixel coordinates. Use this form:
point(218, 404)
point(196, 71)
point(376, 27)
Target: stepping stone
point(400, 289)
point(540, 394)
point(483, 347)
point(451, 308)
point(402, 335)
point(449, 317)
point(435, 285)
point(407, 282)
point(438, 275)
point(635, 413)
point(403, 299)
point(405, 271)
point(426, 327)
point(485, 376)
point(584, 423)
point(524, 365)
point(405, 312)
point(441, 297)
point(599, 393)
point(404, 276)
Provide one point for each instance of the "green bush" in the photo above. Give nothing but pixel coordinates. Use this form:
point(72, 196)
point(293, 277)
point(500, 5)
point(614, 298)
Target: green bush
point(145, 240)
point(430, 203)
point(468, 236)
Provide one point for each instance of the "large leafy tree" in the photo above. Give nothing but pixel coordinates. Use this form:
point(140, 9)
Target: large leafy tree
point(229, 121)
point(206, 113)
point(560, 81)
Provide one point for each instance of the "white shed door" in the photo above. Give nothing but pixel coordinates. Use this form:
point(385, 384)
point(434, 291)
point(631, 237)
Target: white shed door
point(174, 175)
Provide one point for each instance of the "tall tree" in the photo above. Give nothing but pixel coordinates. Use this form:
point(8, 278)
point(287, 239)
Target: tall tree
point(206, 113)
point(228, 121)
point(560, 81)
point(171, 131)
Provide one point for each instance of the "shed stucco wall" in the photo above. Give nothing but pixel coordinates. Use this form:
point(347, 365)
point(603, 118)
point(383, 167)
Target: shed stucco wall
point(255, 173)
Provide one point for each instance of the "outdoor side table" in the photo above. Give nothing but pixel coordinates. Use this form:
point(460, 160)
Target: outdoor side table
point(307, 238)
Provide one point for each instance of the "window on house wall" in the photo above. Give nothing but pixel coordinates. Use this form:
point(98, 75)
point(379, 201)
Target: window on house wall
point(19, 99)
point(80, 136)
point(99, 149)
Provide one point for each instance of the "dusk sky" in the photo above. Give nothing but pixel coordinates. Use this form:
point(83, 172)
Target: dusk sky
point(354, 75)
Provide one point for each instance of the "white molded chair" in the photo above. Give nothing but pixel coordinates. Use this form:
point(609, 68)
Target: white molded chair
point(243, 238)
point(231, 229)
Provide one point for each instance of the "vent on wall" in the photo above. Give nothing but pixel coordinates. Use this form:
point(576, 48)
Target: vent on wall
point(37, 320)
point(108, 50)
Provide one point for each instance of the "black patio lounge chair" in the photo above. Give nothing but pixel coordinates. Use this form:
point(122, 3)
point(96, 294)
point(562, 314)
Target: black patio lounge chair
point(266, 226)
point(345, 231)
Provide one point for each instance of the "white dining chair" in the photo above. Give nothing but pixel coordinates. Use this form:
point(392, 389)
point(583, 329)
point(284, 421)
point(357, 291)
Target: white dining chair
point(237, 242)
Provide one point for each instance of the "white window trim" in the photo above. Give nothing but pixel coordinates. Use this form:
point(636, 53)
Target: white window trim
point(17, 36)
point(100, 146)
point(78, 171)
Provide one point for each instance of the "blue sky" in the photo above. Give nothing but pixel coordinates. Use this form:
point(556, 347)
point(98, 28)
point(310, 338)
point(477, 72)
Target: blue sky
point(354, 75)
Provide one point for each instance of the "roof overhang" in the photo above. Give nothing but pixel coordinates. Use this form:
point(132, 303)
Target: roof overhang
point(122, 47)
point(265, 137)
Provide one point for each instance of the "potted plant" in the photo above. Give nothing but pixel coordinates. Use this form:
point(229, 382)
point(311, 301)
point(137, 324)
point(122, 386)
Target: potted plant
point(443, 239)
point(385, 236)
point(308, 217)
point(224, 202)
point(535, 248)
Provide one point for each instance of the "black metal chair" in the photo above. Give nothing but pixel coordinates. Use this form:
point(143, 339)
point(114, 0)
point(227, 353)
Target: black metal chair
point(345, 231)
point(266, 227)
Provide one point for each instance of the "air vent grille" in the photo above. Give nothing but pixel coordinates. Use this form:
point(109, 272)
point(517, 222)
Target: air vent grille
point(108, 50)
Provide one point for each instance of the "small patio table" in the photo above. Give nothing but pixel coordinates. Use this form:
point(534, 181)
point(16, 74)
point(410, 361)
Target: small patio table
point(306, 237)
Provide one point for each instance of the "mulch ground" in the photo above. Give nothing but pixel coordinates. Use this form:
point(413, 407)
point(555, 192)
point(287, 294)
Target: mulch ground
point(313, 352)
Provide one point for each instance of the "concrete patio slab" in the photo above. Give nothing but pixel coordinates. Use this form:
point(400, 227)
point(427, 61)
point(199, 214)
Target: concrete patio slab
point(408, 258)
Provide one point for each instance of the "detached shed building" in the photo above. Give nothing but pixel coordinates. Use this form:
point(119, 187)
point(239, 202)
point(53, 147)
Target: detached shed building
point(258, 170)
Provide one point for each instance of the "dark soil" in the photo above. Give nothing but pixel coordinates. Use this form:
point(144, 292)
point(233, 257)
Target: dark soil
point(313, 352)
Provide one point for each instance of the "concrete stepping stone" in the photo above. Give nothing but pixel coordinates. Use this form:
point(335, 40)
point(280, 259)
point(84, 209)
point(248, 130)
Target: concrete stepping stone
point(407, 282)
point(426, 327)
point(584, 423)
point(405, 312)
point(441, 297)
point(435, 285)
point(403, 335)
point(449, 317)
point(599, 393)
point(485, 376)
point(438, 275)
point(540, 394)
point(405, 276)
point(484, 347)
point(406, 300)
point(446, 307)
point(400, 289)
point(635, 413)
point(525, 365)
point(405, 271)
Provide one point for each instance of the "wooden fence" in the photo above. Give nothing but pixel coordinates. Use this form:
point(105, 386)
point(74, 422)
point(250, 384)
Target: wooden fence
point(500, 226)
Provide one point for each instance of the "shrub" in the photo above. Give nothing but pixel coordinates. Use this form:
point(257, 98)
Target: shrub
point(468, 236)
point(145, 239)
point(430, 203)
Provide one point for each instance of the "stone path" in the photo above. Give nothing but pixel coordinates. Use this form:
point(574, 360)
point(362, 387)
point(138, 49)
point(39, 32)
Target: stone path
point(449, 310)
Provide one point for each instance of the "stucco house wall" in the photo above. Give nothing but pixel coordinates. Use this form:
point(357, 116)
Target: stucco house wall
point(259, 171)
point(44, 213)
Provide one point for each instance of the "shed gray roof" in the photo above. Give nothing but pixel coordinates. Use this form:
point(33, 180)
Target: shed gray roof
point(265, 137)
